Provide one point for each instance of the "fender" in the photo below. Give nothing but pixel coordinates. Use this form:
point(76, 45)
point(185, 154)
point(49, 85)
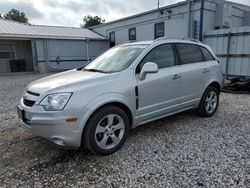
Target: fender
point(102, 100)
point(213, 81)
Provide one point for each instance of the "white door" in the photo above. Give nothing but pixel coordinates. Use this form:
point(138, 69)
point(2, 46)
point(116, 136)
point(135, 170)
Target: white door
point(160, 92)
point(195, 72)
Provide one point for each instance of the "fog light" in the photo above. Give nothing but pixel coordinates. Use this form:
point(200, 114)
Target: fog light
point(58, 141)
point(70, 120)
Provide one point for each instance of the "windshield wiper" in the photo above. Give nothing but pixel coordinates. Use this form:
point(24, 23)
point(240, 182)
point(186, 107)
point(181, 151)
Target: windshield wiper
point(95, 70)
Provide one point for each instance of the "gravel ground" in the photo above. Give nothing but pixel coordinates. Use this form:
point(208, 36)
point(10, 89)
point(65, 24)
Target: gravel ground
point(179, 151)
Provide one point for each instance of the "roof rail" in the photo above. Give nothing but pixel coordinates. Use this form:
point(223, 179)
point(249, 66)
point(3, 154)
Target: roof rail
point(178, 38)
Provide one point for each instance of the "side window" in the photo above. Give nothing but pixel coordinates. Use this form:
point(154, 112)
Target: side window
point(162, 55)
point(132, 34)
point(206, 54)
point(111, 39)
point(189, 53)
point(159, 30)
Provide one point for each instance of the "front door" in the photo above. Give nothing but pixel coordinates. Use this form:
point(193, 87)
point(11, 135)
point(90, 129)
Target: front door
point(159, 93)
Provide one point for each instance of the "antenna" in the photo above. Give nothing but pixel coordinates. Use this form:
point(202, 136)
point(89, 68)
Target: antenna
point(160, 10)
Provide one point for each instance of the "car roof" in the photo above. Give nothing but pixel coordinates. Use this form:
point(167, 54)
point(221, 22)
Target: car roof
point(138, 43)
point(165, 40)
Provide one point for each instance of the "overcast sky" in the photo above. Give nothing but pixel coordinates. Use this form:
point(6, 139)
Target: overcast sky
point(71, 12)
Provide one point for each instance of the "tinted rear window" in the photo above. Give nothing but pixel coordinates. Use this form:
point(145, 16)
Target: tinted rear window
point(207, 55)
point(189, 53)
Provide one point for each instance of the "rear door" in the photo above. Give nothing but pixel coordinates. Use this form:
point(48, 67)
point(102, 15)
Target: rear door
point(160, 92)
point(195, 72)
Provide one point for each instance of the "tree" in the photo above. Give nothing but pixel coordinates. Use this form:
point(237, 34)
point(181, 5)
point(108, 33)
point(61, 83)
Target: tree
point(1, 15)
point(89, 21)
point(16, 15)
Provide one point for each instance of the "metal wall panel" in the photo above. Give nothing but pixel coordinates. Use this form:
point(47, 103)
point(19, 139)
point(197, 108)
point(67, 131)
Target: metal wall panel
point(59, 55)
point(237, 61)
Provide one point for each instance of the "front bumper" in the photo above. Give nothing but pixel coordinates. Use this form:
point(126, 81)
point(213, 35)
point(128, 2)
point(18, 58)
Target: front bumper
point(52, 125)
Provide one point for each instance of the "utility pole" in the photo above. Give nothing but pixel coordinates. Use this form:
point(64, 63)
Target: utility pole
point(158, 4)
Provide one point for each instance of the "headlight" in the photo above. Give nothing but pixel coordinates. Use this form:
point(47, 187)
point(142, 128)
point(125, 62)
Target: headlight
point(55, 102)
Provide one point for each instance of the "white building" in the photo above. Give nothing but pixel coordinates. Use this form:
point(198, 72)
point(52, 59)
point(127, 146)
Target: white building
point(190, 18)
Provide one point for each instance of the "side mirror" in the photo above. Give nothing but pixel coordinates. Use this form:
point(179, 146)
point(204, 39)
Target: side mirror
point(148, 68)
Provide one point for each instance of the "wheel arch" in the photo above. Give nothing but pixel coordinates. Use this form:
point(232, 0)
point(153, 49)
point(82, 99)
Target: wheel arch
point(216, 84)
point(120, 105)
point(200, 110)
point(213, 83)
point(117, 103)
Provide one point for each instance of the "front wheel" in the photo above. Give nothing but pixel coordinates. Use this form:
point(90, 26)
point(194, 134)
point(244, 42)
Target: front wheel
point(106, 130)
point(209, 102)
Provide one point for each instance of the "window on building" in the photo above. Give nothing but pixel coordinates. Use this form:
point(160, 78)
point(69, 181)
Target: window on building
point(132, 34)
point(159, 30)
point(189, 53)
point(7, 51)
point(206, 54)
point(112, 39)
point(162, 55)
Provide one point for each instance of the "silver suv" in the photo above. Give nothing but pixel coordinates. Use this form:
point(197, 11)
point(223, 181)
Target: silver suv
point(127, 86)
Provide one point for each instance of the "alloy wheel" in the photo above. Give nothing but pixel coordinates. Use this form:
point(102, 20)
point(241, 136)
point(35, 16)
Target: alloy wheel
point(211, 102)
point(109, 131)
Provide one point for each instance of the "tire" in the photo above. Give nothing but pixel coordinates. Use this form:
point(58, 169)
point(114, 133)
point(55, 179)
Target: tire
point(106, 131)
point(209, 102)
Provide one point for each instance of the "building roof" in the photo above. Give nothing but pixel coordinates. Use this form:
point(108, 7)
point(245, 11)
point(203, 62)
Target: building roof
point(12, 29)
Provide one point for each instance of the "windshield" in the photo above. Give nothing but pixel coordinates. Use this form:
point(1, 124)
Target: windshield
point(116, 59)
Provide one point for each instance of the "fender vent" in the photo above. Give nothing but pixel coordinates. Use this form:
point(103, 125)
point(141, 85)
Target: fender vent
point(136, 98)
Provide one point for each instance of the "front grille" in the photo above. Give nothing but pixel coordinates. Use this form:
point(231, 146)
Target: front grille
point(28, 103)
point(30, 98)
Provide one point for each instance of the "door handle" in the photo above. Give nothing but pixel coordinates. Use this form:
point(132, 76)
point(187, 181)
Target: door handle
point(205, 71)
point(176, 76)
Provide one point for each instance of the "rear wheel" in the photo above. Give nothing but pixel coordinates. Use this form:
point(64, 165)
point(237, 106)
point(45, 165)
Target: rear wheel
point(106, 130)
point(209, 102)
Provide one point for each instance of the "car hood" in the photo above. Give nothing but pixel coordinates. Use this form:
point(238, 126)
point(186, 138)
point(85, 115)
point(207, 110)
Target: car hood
point(67, 80)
